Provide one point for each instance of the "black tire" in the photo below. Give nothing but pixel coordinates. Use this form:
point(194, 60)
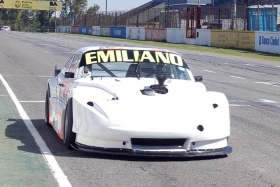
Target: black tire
point(47, 109)
point(69, 136)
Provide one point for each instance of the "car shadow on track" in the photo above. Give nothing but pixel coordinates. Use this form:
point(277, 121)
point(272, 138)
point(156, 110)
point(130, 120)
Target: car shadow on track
point(19, 131)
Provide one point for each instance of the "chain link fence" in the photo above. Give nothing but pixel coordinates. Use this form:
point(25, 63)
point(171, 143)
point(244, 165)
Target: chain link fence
point(230, 17)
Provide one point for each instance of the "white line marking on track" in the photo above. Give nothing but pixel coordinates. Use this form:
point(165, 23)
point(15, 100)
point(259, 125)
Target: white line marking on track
point(266, 101)
point(236, 77)
point(28, 76)
point(268, 83)
point(209, 71)
point(238, 105)
point(278, 66)
point(248, 65)
point(56, 170)
point(31, 101)
point(231, 81)
point(56, 52)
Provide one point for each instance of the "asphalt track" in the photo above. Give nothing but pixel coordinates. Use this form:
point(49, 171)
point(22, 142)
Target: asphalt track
point(27, 60)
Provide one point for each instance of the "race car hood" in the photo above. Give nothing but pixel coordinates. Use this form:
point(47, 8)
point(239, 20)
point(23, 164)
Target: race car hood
point(120, 104)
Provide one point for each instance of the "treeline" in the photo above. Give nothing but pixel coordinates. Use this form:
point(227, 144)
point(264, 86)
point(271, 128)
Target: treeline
point(27, 20)
point(41, 20)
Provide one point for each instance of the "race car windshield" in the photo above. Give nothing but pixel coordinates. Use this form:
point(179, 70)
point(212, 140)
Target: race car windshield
point(138, 64)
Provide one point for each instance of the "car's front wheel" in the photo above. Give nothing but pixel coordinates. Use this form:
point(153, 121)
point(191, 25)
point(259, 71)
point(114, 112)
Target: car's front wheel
point(69, 136)
point(47, 108)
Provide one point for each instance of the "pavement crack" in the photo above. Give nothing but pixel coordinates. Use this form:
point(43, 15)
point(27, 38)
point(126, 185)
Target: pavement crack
point(143, 168)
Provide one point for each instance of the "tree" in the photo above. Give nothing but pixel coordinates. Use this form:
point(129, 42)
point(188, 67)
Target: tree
point(29, 21)
point(44, 19)
point(77, 8)
point(11, 18)
point(93, 9)
point(91, 15)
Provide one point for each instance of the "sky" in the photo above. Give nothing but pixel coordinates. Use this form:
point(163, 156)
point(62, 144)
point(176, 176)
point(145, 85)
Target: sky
point(113, 5)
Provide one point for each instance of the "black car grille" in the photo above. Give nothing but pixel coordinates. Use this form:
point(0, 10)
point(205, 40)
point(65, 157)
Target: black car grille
point(157, 142)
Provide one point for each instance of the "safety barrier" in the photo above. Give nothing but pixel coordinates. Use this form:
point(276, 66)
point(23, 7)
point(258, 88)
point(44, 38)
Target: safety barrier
point(233, 39)
point(96, 30)
point(75, 30)
point(135, 33)
point(252, 40)
point(104, 31)
point(202, 37)
point(267, 42)
point(155, 34)
point(83, 30)
point(176, 35)
point(118, 32)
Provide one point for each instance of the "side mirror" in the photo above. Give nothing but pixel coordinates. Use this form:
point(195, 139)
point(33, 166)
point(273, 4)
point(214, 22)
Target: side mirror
point(198, 78)
point(69, 75)
point(56, 71)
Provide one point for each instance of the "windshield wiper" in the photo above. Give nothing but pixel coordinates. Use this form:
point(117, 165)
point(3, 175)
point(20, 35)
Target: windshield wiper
point(106, 69)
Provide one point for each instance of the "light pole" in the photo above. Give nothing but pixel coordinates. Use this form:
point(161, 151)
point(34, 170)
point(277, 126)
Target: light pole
point(106, 7)
point(168, 8)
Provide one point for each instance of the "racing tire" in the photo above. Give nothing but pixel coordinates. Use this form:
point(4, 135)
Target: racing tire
point(47, 109)
point(69, 136)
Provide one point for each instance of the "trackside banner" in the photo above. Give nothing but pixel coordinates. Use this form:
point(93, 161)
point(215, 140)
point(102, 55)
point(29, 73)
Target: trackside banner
point(31, 5)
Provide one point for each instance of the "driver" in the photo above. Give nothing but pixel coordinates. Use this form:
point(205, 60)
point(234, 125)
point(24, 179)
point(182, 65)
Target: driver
point(86, 73)
point(164, 69)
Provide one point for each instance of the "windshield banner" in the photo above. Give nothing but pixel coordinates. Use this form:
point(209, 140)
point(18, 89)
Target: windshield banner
point(104, 56)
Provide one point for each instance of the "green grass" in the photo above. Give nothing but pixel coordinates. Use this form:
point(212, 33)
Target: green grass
point(216, 50)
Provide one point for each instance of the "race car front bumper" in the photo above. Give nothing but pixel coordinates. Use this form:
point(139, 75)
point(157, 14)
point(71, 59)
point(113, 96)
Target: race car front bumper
point(155, 153)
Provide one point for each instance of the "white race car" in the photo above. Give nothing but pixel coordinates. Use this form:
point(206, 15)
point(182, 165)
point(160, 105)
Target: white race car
point(6, 28)
point(136, 101)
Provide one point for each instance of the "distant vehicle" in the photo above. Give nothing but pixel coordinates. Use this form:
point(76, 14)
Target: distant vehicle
point(6, 28)
point(136, 101)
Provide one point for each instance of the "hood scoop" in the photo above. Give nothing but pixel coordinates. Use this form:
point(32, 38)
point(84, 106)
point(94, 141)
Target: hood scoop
point(159, 88)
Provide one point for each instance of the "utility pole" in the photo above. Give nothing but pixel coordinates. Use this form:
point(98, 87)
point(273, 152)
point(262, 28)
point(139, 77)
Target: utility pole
point(106, 7)
point(233, 15)
point(168, 18)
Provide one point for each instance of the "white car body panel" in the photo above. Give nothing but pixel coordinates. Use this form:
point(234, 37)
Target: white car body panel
point(123, 123)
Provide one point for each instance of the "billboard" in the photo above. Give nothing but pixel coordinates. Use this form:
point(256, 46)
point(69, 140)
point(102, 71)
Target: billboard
point(31, 5)
point(6, 4)
point(267, 41)
point(233, 39)
point(135, 33)
point(118, 32)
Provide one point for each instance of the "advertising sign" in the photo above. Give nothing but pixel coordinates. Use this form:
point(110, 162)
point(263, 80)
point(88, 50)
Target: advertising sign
point(6, 4)
point(83, 30)
point(104, 31)
point(135, 33)
point(75, 30)
point(31, 5)
point(96, 30)
point(155, 34)
point(118, 32)
point(50, 5)
point(233, 39)
point(267, 42)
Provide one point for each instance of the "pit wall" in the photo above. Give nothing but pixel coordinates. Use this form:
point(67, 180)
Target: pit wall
point(262, 41)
